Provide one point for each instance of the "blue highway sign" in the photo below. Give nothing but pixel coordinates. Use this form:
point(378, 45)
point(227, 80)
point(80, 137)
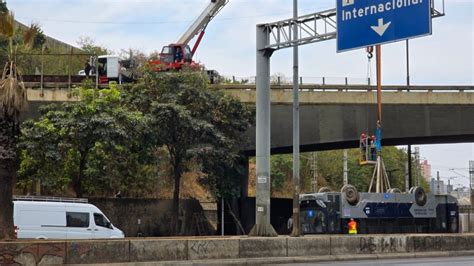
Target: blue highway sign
point(362, 23)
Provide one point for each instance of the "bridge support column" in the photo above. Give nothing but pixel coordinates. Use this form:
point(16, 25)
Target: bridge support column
point(262, 225)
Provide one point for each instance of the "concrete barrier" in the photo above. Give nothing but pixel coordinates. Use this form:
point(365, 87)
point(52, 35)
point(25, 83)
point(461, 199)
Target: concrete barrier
point(213, 249)
point(369, 244)
point(253, 247)
point(51, 253)
point(32, 253)
point(98, 251)
point(158, 249)
point(309, 246)
point(231, 248)
point(22, 253)
point(427, 243)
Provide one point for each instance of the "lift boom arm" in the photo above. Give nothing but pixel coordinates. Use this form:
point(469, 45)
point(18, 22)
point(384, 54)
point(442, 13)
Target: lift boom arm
point(200, 24)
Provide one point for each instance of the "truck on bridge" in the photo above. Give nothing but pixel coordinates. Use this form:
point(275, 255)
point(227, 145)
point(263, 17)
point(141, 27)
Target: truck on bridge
point(174, 56)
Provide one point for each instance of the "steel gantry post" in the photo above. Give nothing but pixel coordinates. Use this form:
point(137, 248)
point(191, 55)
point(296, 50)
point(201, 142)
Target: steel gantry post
point(262, 225)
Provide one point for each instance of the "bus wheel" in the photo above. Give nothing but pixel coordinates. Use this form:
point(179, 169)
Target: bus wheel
point(351, 194)
point(420, 196)
point(394, 190)
point(324, 190)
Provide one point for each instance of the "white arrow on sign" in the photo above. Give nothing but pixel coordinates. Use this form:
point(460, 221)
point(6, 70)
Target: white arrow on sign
point(381, 28)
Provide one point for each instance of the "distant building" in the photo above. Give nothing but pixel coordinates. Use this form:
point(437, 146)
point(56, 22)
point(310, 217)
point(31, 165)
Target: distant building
point(435, 189)
point(426, 170)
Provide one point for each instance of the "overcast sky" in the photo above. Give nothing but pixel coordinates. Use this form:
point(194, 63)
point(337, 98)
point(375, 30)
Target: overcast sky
point(446, 57)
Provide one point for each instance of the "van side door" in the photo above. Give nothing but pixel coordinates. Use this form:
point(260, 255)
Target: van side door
point(102, 226)
point(78, 223)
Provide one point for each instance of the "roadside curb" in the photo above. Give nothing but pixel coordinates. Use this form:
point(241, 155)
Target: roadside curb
point(283, 260)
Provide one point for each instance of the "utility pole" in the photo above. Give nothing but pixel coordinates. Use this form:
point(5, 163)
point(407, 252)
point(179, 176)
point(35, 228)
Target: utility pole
point(471, 182)
point(345, 181)
point(314, 169)
point(296, 129)
point(408, 178)
point(407, 186)
point(409, 166)
point(408, 65)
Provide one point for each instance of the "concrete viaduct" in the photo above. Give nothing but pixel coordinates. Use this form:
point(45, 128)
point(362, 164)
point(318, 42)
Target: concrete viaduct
point(333, 116)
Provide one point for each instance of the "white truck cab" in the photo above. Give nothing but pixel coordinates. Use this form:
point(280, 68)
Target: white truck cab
point(109, 66)
point(59, 218)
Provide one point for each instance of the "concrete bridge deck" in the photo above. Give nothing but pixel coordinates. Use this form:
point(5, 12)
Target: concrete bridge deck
point(333, 116)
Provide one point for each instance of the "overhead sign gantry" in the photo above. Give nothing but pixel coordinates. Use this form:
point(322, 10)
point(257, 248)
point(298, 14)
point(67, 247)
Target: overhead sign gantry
point(311, 28)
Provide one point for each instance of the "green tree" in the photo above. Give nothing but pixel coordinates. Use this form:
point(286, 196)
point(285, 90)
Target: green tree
point(222, 162)
point(82, 141)
point(192, 122)
point(40, 157)
point(330, 173)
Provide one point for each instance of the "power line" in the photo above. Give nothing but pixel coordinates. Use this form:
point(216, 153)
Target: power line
point(151, 22)
point(458, 173)
point(142, 22)
point(449, 167)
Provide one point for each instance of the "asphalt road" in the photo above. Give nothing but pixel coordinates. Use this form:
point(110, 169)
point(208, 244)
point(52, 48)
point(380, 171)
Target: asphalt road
point(451, 261)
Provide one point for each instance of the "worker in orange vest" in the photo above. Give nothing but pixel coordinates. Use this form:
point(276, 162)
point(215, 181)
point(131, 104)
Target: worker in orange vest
point(352, 227)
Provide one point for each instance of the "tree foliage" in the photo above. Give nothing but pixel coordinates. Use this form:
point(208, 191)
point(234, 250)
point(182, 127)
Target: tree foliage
point(330, 170)
point(92, 144)
point(193, 123)
point(124, 139)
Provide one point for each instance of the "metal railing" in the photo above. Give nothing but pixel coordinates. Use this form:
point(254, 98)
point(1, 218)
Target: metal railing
point(353, 88)
point(44, 66)
point(310, 80)
point(49, 199)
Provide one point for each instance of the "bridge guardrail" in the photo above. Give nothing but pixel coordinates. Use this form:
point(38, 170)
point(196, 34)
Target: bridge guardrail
point(355, 88)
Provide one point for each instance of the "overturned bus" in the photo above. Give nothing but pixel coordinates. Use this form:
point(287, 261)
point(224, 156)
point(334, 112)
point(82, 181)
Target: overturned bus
point(378, 213)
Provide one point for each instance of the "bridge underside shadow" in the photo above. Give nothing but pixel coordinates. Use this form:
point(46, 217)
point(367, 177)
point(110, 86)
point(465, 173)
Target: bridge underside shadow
point(338, 126)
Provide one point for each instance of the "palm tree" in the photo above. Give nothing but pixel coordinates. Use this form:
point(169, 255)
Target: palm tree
point(12, 101)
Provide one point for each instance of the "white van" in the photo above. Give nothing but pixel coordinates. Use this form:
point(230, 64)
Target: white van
point(41, 218)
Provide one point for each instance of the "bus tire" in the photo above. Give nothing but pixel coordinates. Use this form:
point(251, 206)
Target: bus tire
point(351, 194)
point(394, 190)
point(324, 190)
point(420, 196)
